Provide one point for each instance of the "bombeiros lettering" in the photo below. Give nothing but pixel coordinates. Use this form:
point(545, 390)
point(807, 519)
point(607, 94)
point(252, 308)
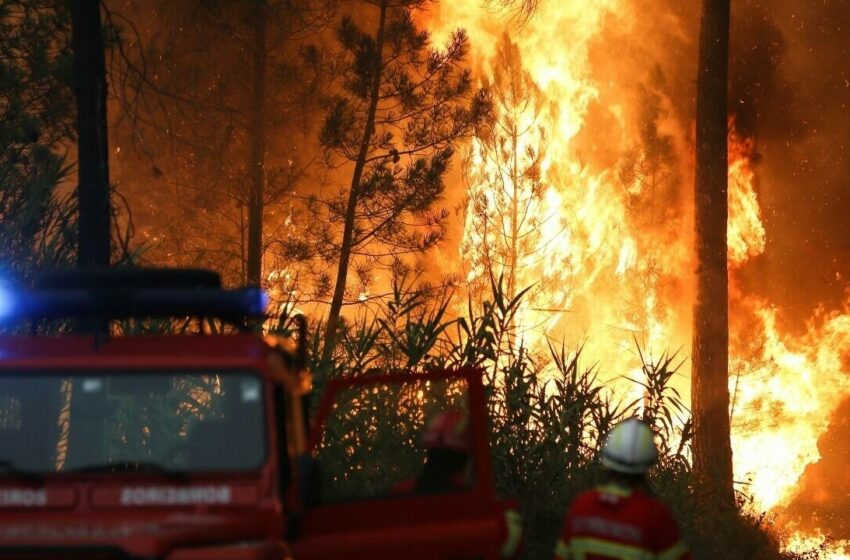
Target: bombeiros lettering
point(169, 495)
point(23, 497)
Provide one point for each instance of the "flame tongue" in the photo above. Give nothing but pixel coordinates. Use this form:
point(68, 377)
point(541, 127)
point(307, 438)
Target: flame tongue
point(745, 232)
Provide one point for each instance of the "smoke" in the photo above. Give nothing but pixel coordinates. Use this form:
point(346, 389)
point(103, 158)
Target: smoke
point(790, 89)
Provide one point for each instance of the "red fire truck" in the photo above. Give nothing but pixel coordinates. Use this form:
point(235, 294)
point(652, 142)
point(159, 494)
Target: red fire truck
point(195, 446)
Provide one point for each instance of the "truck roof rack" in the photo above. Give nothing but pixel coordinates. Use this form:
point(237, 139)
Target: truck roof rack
point(109, 294)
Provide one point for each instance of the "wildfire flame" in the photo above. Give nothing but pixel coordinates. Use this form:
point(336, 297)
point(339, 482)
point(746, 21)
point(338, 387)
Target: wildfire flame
point(745, 234)
point(543, 215)
point(581, 191)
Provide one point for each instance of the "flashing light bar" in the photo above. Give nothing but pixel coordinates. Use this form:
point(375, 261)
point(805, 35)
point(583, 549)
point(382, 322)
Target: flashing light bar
point(117, 303)
point(7, 302)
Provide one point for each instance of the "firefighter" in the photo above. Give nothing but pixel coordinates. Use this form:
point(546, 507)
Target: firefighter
point(620, 519)
point(448, 468)
point(447, 464)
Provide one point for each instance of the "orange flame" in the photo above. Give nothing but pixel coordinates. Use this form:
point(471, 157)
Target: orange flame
point(784, 394)
point(543, 216)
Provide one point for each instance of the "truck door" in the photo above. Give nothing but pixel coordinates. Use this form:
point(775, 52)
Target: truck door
point(380, 492)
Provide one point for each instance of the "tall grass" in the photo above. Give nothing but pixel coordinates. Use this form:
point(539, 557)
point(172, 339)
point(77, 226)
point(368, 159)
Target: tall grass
point(548, 415)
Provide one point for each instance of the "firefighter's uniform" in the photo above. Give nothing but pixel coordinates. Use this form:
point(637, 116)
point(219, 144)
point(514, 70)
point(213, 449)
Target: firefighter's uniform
point(618, 521)
point(615, 523)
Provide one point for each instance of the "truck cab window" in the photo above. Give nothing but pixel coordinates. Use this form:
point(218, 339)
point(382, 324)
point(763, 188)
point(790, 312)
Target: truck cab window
point(186, 421)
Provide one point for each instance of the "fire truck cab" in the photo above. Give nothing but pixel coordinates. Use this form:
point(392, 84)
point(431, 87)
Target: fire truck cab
point(195, 446)
point(146, 446)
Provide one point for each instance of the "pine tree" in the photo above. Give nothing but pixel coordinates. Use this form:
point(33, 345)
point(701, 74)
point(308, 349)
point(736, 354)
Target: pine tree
point(400, 110)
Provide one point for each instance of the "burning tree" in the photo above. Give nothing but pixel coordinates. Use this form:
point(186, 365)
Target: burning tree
point(506, 171)
point(400, 110)
point(650, 174)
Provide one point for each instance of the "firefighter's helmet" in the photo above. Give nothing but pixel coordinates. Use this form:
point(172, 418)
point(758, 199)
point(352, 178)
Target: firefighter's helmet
point(629, 448)
point(448, 430)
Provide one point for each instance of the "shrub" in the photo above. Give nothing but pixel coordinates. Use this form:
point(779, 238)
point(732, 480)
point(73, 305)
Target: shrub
point(548, 416)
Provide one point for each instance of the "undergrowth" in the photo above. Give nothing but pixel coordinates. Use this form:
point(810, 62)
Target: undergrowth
point(548, 414)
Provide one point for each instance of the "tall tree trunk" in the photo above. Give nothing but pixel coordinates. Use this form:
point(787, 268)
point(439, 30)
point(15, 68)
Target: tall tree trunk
point(93, 154)
point(710, 361)
point(257, 163)
point(354, 192)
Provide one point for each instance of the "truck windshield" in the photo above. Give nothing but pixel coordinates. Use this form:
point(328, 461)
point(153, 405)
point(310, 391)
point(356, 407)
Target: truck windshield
point(145, 421)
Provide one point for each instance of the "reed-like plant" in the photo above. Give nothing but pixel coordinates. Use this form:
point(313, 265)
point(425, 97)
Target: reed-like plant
point(549, 413)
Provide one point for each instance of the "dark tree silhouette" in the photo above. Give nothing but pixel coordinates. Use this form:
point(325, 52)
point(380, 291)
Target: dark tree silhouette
point(36, 123)
point(257, 152)
point(92, 145)
point(710, 358)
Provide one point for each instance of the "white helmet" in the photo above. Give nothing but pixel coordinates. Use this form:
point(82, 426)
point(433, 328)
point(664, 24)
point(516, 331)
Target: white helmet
point(629, 448)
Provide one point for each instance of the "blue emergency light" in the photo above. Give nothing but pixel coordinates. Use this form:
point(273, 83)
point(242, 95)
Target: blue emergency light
point(110, 294)
point(7, 303)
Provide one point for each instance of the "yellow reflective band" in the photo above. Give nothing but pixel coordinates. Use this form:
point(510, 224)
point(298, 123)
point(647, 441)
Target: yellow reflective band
point(513, 520)
point(674, 552)
point(614, 490)
point(581, 547)
point(561, 550)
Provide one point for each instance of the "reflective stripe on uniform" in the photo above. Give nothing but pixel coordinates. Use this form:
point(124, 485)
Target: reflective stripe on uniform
point(581, 547)
point(614, 490)
point(674, 552)
point(561, 550)
point(513, 521)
